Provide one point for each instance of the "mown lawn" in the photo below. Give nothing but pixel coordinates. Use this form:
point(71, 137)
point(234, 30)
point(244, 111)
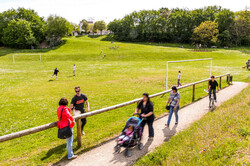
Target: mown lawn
point(224, 134)
point(29, 97)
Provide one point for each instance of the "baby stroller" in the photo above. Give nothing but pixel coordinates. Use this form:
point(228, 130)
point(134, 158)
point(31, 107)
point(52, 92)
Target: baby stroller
point(134, 140)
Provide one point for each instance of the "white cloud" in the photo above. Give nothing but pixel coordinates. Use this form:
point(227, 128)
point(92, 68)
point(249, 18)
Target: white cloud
point(107, 10)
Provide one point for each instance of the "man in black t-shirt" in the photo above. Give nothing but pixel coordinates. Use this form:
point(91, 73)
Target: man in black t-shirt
point(212, 87)
point(56, 71)
point(77, 105)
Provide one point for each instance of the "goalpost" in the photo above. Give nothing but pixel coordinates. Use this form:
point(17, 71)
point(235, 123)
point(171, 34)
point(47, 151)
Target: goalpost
point(191, 60)
point(13, 56)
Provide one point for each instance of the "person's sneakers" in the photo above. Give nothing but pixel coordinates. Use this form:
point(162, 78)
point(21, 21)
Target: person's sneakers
point(167, 125)
point(176, 123)
point(215, 101)
point(83, 133)
point(150, 138)
point(74, 157)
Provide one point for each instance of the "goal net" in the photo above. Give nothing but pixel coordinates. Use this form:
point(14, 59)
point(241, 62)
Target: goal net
point(26, 57)
point(191, 71)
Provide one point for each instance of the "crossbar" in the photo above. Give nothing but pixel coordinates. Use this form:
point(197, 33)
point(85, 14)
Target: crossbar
point(190, 60)
point(81, 116)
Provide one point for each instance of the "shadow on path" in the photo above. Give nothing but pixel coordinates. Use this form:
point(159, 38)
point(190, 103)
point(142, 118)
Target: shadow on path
point(169, 133)
point(136, 153)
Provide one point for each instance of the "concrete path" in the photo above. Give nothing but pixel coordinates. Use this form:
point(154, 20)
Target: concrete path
point(105, 156)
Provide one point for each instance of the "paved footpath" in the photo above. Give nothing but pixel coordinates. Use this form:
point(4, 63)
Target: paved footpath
point(104, 155)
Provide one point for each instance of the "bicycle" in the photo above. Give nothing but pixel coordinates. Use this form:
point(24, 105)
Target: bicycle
point(211, 100)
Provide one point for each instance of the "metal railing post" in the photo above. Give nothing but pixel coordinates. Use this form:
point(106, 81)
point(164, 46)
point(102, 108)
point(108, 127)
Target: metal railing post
point(79, 132)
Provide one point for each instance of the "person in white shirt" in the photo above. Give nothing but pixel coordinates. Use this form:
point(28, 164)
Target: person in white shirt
point(179, 78)
point(74, 70)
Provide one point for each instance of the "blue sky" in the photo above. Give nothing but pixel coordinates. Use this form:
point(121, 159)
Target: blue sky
point(107, 10)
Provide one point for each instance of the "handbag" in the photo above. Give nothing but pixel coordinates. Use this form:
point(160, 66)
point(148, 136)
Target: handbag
point(168, 106)
point(64, 132)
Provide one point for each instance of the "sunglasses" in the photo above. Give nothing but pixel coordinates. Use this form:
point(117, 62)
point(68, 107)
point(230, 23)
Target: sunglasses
point(77, 91)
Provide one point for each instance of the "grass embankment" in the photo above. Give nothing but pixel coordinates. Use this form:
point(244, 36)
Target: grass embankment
point(30, 98)
point(224, 134)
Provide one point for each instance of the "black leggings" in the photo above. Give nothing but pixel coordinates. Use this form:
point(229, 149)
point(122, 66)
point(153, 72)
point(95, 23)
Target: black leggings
point(84, 121)
point(150, 126)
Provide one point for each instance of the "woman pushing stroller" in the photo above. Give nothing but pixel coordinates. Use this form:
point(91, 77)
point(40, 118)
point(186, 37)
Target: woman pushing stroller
point(146, 107)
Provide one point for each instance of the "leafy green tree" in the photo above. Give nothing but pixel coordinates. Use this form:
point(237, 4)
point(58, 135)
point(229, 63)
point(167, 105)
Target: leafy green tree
point(224, 19)
point(57, 27)
point(85, 26)
point(240, 28)
point(38, 25)
point(100, 25)
point(206, 33)
point(224, 38)
point(18, 34)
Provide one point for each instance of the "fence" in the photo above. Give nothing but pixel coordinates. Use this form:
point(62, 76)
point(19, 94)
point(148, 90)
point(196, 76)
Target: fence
point(79, 117)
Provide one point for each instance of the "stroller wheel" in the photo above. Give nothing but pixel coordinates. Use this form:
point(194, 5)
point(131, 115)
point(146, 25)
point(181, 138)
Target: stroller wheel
point(117, 148)
point(128, 152)
point(140, 146)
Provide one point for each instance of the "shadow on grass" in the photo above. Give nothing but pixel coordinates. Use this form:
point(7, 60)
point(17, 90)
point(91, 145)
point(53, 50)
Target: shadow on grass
point(94, 36)
point(56, 150)
point(5, 50)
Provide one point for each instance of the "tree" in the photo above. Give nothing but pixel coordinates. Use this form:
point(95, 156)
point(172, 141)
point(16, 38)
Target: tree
point(225, 38)
point(206, 33)
point(85, 26)
point(58, 27)
point(18, 34)
point(240, 28)
point(100, 25)
point(38, 25)
point(224, 19)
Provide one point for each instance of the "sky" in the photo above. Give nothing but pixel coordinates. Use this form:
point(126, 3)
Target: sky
point(108, 10)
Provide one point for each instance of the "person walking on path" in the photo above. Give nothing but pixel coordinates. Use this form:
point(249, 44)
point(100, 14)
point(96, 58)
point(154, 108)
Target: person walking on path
point(56, 71)
point(179, 78)
point(212, 88)
point(147, 108)
point(77, 105)
point(65, 119)
point(74, 70)
point(173, 102)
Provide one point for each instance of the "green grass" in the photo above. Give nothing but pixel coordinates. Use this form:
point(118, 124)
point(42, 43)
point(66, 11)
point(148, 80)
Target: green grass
point(224, 134)
point(28, 97)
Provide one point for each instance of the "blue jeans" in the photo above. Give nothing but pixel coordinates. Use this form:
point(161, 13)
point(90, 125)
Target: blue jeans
point(69, 146)
point(171, 113)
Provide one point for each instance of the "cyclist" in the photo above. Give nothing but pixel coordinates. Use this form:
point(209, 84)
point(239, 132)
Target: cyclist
point(212, 88)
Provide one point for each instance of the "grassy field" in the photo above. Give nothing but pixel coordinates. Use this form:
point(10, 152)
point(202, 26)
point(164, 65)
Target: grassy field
point(29, 97)
point(224, 134)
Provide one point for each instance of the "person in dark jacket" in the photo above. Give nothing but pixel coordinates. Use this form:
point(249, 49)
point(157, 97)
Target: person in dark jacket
point(64, 121)
point(147, 108)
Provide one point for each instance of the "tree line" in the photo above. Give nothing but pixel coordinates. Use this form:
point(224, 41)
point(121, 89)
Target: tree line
point(210, 25)
point(24, 28)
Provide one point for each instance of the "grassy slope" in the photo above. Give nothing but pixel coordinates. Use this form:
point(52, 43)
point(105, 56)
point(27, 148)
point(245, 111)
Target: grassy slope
point(224, 134)
point(29, 99)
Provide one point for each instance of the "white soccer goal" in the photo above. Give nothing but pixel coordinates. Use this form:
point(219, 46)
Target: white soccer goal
point(191, 60)
point(14, 55)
